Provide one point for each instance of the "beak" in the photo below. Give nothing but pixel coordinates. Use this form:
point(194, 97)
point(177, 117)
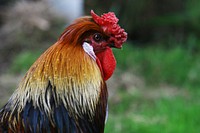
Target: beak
point(112, 45)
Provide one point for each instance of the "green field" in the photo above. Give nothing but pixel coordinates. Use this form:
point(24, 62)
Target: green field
point(168, 101)
point(141, 113)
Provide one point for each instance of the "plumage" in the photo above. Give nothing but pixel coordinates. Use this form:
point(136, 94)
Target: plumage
point(65, 89)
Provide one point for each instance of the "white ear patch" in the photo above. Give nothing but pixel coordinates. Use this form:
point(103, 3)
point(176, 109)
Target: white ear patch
point(89, 50)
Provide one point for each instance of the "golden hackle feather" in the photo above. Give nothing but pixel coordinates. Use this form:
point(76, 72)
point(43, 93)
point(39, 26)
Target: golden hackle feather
point(56, 69)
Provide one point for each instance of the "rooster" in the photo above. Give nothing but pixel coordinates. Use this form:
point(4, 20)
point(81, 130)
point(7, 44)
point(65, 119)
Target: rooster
point(65, 89)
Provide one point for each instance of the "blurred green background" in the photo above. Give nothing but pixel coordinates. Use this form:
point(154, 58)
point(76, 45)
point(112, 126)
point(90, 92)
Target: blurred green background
point(156, 86)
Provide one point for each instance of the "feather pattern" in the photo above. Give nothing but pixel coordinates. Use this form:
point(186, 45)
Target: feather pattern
point(63, 91)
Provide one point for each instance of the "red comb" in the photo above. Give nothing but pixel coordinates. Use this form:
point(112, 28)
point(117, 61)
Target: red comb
point(108, 22)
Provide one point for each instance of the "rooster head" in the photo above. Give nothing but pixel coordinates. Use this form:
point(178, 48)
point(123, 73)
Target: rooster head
point(97, 35)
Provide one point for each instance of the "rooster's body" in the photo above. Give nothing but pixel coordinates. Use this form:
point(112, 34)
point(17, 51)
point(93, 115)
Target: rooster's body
point(65, 89)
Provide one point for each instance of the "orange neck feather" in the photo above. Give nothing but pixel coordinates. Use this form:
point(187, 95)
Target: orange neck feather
point(63, 61)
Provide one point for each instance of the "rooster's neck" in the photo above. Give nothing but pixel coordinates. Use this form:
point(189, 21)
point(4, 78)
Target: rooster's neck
point(64, 75)
point(69, 69)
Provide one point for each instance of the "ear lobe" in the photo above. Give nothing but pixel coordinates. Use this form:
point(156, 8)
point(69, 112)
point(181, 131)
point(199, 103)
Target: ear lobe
point(89, 50)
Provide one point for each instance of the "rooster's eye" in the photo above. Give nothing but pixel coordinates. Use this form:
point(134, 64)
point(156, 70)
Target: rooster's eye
point(97, 37)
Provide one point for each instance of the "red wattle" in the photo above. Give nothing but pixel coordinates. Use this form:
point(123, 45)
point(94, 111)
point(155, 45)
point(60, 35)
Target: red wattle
point(106, 62)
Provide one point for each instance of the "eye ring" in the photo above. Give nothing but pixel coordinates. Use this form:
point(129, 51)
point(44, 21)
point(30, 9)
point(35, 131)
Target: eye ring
point(97, 37)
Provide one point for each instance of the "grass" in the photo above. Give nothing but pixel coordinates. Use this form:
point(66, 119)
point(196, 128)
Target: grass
point(166, 115)
point(22, 62)
point(137, 112)
point(176, 66)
